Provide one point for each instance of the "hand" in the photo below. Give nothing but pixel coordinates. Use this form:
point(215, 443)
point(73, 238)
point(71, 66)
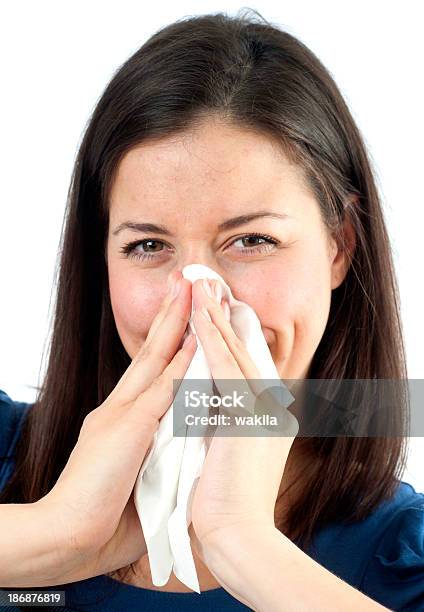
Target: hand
point(93, 514)
point(241, 475)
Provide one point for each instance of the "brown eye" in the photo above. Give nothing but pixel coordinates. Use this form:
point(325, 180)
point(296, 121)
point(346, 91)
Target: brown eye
point(269, 244)
point(129, 249)
point(149, 243)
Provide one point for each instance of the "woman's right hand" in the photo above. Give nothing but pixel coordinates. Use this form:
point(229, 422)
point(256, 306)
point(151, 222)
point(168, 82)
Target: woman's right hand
point(92, 502)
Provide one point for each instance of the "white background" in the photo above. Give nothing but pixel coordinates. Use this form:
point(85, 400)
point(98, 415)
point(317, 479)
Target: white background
point(56, 59)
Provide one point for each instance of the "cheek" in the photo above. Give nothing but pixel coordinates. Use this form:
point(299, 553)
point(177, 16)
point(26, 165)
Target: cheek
point(135, 302)
point(290, 297)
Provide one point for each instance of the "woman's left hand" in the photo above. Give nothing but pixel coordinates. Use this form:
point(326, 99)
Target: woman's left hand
point(241, 475)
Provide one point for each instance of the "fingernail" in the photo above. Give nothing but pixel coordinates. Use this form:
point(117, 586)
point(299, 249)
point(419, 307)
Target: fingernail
point(207, 287)
point(226, 308)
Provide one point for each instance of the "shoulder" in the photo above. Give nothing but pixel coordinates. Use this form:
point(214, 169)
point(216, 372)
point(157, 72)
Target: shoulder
point(12, 416)
point(394, 574)
point(383, 554)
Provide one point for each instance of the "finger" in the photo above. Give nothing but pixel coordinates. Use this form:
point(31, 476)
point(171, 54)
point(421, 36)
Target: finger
point(222, 341)
point(158, 397)
point(221, 361)
point(166, 302)
point(221, 317)
point(156, 354)
point(235, 344)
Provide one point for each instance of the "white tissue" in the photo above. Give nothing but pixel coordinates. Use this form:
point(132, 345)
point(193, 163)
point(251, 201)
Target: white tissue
point(162, 492)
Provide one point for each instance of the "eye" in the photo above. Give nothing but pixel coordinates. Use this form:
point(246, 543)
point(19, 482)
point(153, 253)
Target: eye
point(269, 244)
point(130, 251)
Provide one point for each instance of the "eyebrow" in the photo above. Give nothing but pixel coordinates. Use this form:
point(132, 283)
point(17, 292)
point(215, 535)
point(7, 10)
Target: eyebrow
point(152, 228)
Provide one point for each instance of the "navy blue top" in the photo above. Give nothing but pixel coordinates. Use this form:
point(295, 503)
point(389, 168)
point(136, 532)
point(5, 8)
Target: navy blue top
point(382, 556)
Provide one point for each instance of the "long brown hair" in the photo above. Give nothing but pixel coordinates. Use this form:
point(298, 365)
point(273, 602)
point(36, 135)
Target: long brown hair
point(253, 75)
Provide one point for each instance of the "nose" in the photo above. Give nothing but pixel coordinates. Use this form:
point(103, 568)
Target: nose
point(195, 271)
point(199, 259)
point(196, 250)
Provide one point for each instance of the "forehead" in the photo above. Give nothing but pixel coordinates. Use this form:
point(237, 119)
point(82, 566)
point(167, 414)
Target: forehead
point(213, 166)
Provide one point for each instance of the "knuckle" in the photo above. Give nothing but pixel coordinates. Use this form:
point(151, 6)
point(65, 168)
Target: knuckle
point(148, 352)
point(162, 359)
point(159, 383)
point(144, 353)
point(163, 385)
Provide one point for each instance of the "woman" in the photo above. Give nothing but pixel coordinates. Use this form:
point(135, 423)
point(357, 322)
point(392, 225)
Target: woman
point(224, 141)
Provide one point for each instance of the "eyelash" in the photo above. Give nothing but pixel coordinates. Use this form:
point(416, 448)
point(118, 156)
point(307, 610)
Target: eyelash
point(129, 248)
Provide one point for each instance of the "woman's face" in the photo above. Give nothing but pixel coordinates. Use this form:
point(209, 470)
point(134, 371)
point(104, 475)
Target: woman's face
point(190, 185)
